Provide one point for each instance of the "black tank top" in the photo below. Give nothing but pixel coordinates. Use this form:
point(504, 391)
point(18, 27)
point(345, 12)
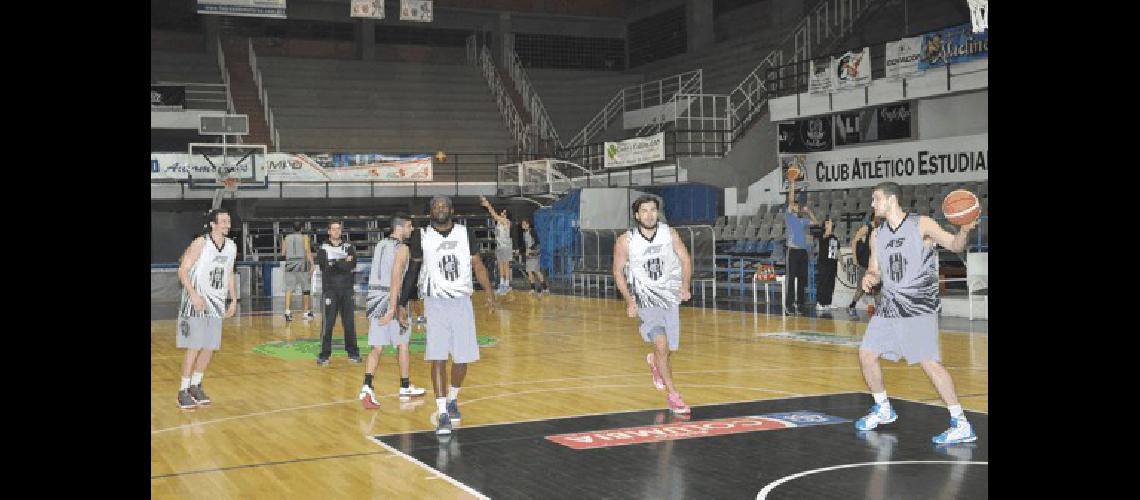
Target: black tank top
point(863, 250)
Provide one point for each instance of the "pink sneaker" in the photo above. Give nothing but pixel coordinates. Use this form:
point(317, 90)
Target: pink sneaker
point(677, 404)
point(658, 382)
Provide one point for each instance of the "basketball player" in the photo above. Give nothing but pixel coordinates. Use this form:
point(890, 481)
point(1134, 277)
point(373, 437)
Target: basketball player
point(904, 259)
point(658, 275)
point(450, 255)
point(337, 259)
point(297, 269)
point(826, 264)
point(861, 248)
point(504, 247)
point(796, 220)
point(208, 292)
point(389, 263)
point(533, 272)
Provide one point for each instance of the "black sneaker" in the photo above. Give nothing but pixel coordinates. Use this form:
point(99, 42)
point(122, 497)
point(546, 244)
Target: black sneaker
point(185, 401)
point(308, 315)
point(443, 427)
point(288, 316)
point(354, 360)
point(851, 311)
point(198, 394)
point(322, 362)
point(453, 410)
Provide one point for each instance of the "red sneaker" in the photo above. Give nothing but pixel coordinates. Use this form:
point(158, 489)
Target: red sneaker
point(677, 404)
point(658, 382)
point(368, 399)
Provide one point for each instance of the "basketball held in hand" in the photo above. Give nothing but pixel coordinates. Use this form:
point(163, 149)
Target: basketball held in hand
point(961, 207)
point(793, 173)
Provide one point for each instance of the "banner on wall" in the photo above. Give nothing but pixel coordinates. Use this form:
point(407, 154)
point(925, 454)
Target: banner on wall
point(903, 56)
point(820, 78)
point(167, 97)
point(856, 127)
point(636, 151)
point(299, 167)
point(806, 135)
point(893, 121)
point(851, 70)
point(371, 9)
point(952, 46)
point(416, 10)
point(950, 159)
point(248, 8)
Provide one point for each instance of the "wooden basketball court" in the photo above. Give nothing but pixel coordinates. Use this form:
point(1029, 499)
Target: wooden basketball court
point(287, 426)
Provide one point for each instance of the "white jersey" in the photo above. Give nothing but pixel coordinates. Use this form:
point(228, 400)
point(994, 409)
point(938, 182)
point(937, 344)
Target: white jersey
point(446, 270)
point(210, 277)
point(654, 271)
point(380, 277)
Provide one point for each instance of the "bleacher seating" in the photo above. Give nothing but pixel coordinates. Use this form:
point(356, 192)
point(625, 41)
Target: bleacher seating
point(328, 105)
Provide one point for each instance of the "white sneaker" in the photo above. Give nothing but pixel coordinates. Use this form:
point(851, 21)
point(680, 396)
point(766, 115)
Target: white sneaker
point(411, 391)
point(308, 315)
point(878, 415)
point(960, 431)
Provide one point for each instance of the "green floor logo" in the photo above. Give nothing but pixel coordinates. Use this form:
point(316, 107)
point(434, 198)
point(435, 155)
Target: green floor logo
point(309, 348)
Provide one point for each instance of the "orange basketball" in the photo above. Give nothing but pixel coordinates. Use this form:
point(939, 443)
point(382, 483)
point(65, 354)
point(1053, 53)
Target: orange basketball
point(870, 309)
point(961, 207)
point(793, 173)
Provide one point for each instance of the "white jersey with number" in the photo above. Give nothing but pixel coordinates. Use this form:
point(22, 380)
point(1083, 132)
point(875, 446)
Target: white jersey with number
point(210, 277)
point(654, 270)
point(446, 270)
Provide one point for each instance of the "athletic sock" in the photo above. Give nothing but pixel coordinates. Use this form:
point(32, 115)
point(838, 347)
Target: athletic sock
point(956, 411)
point(452, 393)
point(196, 379)
point(368, 380)
point(185, 384)
point(404, 383)
point(881, 400)
point(441, 405)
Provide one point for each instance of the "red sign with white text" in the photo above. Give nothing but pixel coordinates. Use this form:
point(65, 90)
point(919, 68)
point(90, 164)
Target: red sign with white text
point(664, 432)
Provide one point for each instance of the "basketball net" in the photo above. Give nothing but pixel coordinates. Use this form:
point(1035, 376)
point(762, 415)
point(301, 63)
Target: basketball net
point(229, 184)
point(979, 15)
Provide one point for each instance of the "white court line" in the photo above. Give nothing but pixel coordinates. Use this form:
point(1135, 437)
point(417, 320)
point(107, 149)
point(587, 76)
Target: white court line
point(771, 486)
point(184, 426)
point(556, 389)
point(631, 411)
point(939, 406)
point(443, 476)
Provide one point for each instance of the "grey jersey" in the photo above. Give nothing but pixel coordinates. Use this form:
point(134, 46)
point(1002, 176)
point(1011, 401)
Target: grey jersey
point(909, 270)
point(380, 277)
point(503, 235)
point(295, 245)
point(528, 239)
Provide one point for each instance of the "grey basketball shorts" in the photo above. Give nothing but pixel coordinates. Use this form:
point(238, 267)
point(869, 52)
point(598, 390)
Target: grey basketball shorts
point(201, 332)
point(532, 264)
point(503, 254)
point(390, 334)
point(914, 338)
point(656, 321)
point(296, 277)
point(450, 330)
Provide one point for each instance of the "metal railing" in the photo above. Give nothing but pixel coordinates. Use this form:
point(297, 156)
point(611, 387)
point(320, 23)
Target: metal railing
point(202, 95)
point(686, 83)
point(544, 126)
point(521, 132)
point(263, 96)
point(635, 97)
point(825, 23)
point(226, 79)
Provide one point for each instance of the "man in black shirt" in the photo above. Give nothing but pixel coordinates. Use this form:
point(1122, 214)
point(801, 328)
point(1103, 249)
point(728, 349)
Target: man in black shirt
point(337, 260)
point(826, 265)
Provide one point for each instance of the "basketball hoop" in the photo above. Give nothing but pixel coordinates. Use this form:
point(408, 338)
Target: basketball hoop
point(979, 15)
